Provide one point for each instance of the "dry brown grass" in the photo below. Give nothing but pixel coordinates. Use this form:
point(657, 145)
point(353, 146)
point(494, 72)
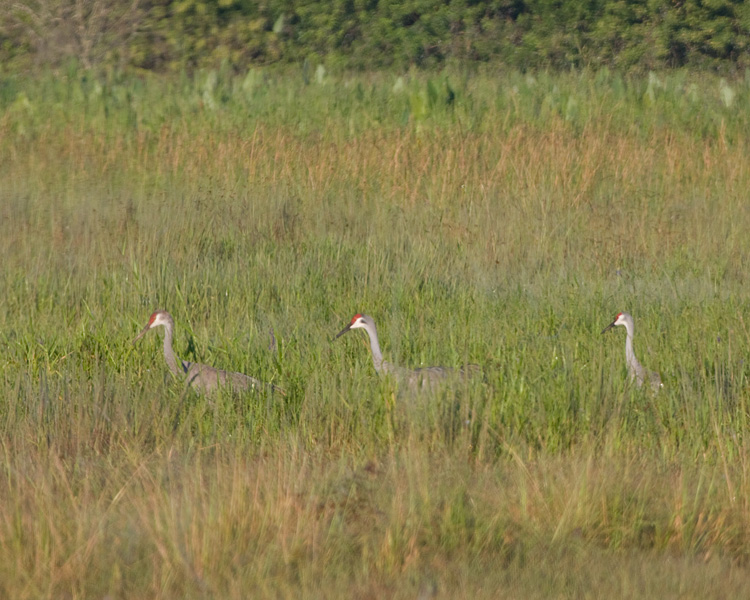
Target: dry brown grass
point(216, 523)
point(601, 196)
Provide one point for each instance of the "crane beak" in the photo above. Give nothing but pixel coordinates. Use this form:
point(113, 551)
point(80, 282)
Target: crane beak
point(141, 334)
point(608, 327)
point(343, 331)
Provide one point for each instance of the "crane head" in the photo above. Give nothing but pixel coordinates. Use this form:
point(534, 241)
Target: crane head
point(619, 320)
point(357, 321)
point(159, 317)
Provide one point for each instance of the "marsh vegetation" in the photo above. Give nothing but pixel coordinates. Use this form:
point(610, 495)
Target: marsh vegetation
point(499, 219)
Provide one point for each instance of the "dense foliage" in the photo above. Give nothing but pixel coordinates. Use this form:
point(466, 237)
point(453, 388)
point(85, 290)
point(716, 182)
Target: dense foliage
point(166, 35)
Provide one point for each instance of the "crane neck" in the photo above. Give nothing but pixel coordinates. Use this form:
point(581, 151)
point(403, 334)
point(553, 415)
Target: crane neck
point(634, 366)
point(629, 353)
point(175, 365)
point(377, 355)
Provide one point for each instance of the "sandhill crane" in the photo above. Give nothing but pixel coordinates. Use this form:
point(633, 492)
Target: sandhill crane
point(201, 377)
point(635, 369)
point(424, 377)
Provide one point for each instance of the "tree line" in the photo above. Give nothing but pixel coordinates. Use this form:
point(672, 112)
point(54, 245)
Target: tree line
point(178, 35)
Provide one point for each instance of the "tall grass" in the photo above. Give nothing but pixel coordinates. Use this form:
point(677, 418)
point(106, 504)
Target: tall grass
point(495, 218)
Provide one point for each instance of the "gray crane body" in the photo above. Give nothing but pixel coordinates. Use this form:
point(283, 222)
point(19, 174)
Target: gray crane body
point(202, 378)
point(422, 378)
point(636, 371)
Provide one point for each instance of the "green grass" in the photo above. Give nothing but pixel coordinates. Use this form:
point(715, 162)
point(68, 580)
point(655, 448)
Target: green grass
point(505, 228)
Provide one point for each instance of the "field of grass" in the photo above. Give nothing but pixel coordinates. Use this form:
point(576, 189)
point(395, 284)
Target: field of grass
point(497, 218)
